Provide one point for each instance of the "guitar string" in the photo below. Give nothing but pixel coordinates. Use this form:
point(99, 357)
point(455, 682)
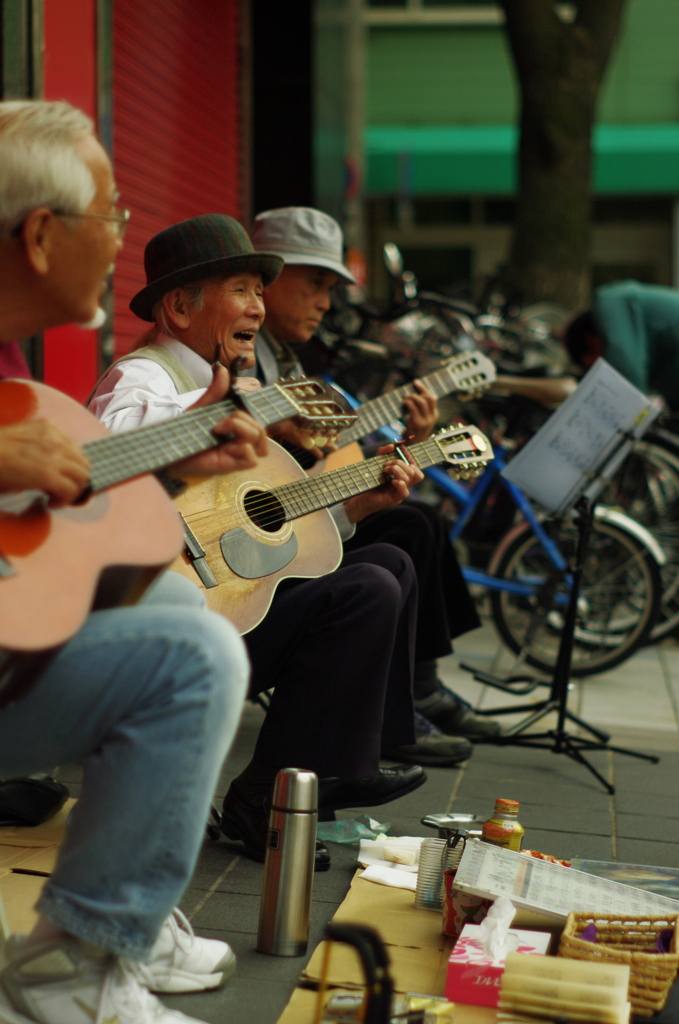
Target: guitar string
point(368, 472)
point(126, 452)
point(428, 451)
point(437, 382)
point(111, 455)
point(127, 445)
point(299, 497)
point(269, 396)
point(296, 503)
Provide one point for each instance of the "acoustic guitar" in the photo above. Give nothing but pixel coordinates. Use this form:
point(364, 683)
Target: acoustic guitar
point(57, 564)
point(249, 530)
point(470, 372)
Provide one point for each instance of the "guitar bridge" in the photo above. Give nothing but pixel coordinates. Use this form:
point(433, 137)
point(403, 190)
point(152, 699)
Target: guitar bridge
point(196, 556)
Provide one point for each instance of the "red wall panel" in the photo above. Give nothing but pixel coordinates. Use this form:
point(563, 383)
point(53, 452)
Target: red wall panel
point(176, 131)
point(69, 73)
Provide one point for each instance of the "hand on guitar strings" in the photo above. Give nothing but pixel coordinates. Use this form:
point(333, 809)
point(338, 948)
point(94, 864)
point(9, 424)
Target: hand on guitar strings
point(36, 456)
point(288, 433)
point(244, 439)
point(421, 413)
point(400, 477)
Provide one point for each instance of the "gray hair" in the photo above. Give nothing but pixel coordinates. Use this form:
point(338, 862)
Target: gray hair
point(195, 293)
point(39, 165)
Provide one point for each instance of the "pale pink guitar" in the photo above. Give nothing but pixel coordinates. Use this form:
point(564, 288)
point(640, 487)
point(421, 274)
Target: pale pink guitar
point(55, 564)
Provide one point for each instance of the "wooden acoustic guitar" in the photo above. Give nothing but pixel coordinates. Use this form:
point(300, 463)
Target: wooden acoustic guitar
point(470, 372)
point(56, 564)
point(249, 530)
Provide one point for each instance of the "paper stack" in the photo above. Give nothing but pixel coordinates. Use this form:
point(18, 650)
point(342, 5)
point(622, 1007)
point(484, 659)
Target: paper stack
point(543, 988)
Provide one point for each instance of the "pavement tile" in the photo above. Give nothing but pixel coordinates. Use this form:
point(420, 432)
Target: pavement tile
point(648, 804)
point(229, 912)
point(641, 826)
point(532, 791)
point(239, 1002)
point(565, 845)
point(644, 851)
point(576, 820)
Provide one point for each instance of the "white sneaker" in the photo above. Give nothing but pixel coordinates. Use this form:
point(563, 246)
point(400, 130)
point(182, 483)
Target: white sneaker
point(183, 962)
point(59, 982)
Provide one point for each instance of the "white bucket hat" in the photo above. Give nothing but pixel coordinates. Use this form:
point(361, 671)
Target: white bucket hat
point(302, 236)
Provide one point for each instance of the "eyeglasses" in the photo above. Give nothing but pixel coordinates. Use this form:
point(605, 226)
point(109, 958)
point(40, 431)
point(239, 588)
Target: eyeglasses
point(120, 218)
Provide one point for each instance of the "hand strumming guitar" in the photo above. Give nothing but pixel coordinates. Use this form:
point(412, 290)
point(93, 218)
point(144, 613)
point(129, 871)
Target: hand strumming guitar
point(422, 413)
point(401, 477)
point(288, 431)
point(36, 456)
point(246, 438)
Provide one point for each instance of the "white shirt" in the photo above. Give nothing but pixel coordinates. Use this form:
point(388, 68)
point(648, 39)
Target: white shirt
point(137, 392)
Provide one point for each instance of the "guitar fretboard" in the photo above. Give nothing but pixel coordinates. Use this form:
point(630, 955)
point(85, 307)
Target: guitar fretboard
point(303, 496)
point(123, 456)
point(388, 407)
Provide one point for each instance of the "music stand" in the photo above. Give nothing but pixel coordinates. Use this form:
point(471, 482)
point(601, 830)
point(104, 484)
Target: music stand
point(626, 413)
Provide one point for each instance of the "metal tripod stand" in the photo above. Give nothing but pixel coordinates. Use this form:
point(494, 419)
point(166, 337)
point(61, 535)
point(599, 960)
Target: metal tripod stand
point(559, 740)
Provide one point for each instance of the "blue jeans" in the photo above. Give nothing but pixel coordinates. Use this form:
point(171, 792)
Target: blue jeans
point(148, 700)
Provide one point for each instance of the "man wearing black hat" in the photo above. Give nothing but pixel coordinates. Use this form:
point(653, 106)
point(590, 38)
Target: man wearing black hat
point(337, 650)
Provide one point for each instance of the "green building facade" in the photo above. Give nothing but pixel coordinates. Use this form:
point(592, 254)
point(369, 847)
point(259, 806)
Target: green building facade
point(439, 109)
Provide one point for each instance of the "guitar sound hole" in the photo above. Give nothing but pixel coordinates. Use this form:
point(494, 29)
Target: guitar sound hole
point(265, 510)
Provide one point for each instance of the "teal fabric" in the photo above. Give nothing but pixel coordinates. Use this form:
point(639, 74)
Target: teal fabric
point(640, 326)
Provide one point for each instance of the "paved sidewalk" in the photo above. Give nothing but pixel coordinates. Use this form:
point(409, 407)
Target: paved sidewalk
point(564, 810)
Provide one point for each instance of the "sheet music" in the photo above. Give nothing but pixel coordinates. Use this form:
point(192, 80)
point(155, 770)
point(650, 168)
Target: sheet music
point(559, 462)
point(490, 871)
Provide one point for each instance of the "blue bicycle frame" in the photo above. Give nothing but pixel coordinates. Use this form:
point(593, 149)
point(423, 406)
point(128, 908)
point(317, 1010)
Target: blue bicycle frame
point(468, 498)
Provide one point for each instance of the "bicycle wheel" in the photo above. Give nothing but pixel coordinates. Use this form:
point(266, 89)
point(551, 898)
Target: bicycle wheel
point(618, 602)
point(646, 487)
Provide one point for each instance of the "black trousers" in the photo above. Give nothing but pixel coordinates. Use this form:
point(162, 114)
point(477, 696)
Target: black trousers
point(445, 608)
point(339, 651)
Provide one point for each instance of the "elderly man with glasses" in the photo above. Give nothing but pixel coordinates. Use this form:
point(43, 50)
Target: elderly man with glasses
point(146, 698)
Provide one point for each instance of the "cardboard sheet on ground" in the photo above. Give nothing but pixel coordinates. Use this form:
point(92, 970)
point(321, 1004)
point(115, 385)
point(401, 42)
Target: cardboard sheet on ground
point(417, 950)
point(27, 857)
point(300, 1010)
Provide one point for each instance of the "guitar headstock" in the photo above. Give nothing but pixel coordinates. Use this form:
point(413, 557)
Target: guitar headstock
point(318, 409)
point(471, 372)
point(465, 449)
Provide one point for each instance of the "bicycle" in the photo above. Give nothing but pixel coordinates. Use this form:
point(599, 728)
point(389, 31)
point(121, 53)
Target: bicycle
point(528, 577)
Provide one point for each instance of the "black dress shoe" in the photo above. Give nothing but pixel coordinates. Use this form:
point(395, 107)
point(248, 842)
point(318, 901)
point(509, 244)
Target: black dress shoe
point(389, 784)
point(249, 824)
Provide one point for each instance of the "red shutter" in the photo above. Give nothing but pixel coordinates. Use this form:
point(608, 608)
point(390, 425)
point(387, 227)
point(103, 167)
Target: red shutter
point(176, 131)
point(70, 358)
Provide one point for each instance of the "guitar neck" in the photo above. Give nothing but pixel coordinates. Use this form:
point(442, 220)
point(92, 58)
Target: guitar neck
point(121, 457)
point(313, 493)
point(388, 407)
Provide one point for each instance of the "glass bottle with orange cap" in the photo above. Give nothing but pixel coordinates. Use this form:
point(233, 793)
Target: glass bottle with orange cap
point(504, 828)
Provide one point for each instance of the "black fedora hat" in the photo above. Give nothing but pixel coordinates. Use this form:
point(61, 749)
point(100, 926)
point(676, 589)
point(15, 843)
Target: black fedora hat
point(194, 250)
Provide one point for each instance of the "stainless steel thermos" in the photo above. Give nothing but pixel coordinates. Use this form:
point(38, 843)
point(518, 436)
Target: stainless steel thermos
point(289, 867)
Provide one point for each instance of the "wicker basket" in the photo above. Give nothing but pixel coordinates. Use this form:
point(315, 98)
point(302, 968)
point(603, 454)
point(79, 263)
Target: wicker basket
point(621, 941)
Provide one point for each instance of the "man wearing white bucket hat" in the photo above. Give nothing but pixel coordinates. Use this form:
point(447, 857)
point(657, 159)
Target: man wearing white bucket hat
point(311, 246)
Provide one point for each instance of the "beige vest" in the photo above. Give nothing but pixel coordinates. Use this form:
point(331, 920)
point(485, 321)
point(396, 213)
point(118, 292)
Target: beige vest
point(180, 377)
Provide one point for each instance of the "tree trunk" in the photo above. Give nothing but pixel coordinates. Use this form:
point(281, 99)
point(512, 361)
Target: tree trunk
point(560, 67)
